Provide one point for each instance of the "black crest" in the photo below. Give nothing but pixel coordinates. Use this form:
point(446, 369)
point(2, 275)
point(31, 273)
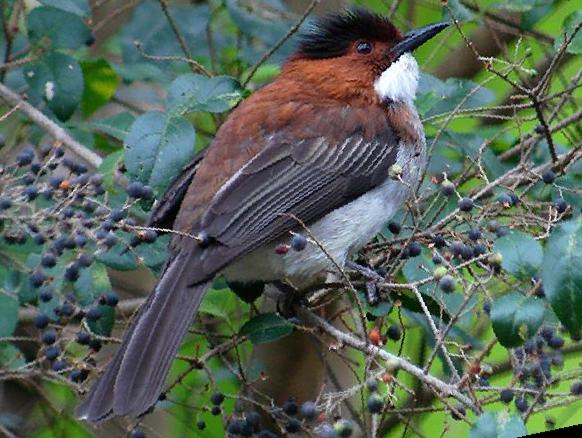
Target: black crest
point(333, 35)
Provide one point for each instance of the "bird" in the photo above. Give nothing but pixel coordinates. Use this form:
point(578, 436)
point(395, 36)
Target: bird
point(333, 145)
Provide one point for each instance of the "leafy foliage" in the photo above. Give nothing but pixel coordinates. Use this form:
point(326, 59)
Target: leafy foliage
point(481, 271)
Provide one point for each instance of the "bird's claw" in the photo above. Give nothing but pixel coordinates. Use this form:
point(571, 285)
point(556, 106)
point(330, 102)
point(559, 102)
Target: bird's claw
point(372, 279)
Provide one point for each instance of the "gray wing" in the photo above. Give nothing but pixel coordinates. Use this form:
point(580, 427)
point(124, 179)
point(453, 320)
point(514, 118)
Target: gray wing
point(306, 177)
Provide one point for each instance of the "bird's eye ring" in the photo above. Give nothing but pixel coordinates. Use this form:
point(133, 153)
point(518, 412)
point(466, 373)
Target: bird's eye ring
point(364, 47)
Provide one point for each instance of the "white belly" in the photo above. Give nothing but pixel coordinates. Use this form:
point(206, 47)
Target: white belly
point(342, 232)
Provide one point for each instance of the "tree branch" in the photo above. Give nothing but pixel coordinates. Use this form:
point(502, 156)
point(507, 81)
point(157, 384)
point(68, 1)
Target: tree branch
point(57, 132)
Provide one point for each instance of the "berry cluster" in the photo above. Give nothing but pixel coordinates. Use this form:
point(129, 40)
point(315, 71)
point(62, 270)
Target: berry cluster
point(532, 367)
point(54, 209)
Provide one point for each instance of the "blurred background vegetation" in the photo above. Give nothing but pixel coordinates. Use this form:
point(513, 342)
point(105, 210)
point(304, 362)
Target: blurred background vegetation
point(141, 86)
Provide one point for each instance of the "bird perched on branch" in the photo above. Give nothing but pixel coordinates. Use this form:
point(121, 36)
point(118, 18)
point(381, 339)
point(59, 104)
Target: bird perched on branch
point(334, 142)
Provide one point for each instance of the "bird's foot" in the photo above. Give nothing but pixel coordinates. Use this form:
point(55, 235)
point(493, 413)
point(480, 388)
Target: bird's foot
point(372, 280)
point(289, 299)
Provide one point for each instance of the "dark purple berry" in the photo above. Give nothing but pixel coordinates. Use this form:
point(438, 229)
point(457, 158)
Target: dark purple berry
point(372, 384)
point(217, 398)
point(447, 284)
point(414, 249)
point(394, 227)
point(5, 203)
point(394, 332)
point(85, 260)
point(137, 433)
point(474, 234)
point(83, 338)
point(298, 242)
point(293, 426)
point(94, 313)
point(447, 188)
point(561, 205)
point(344, 428)
point(506, 395)
point(117, 214)
point(37, 278)
point(41, 321)
point(576, 388)
point(25, 157)
point(201, 425)
point(308, 410)
point(521, 404)
point(48, 260)
point(549, 176)
point(505, 200)
point(95, 345)
point(59, 365)
point(254, 419)
point(51, 353)
point(111, 299)
point(49, 337)
point(71, 272)
point(216, 410)
point(439, 241)
point(375, 404)
point(31, 193)
point(465, 204)
point(234, 427)
point(45, 294)
point(556, 342)
point(67, 309)
point(290, 407)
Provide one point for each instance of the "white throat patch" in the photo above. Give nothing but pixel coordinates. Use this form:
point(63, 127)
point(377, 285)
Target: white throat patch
point(399, 81)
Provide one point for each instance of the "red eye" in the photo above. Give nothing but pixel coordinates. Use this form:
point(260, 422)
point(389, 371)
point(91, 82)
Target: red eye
point(364, 47)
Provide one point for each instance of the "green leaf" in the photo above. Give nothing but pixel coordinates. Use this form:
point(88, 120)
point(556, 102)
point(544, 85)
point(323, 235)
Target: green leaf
point(266, 328)
point(520, 5)
point(570, 23)
point(58, 80)
point(522, 254)
point(77, 7)
point(215, 303)
point(10, 356)
point(459, 11)
point(157, 148)
point(119, 258)
point(154, 254)
point(516, 318)
point(192, 92)
point(498, 425)
point(108, 166)
point(452, 93)
point(116, 126)
point(8, 314)
point(65, 30)
point(101, 82)
point(92, 282)
point(150, 27)
point(104, 324)
point(562, 274)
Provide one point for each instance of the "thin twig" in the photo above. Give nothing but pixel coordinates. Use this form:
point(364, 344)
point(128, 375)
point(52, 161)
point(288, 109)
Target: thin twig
point(194, 65)
point(57, 132)
point(282, 41)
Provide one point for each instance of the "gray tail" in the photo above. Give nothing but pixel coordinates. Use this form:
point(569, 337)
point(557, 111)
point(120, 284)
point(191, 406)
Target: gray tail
point(134, 379)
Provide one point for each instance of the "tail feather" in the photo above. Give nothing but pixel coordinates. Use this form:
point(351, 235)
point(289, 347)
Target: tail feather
point(135, 377)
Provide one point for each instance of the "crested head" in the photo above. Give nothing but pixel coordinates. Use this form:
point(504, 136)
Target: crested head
point(334, 35)
point(357, 55)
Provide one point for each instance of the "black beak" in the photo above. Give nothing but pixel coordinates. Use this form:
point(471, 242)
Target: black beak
point(417, 37)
